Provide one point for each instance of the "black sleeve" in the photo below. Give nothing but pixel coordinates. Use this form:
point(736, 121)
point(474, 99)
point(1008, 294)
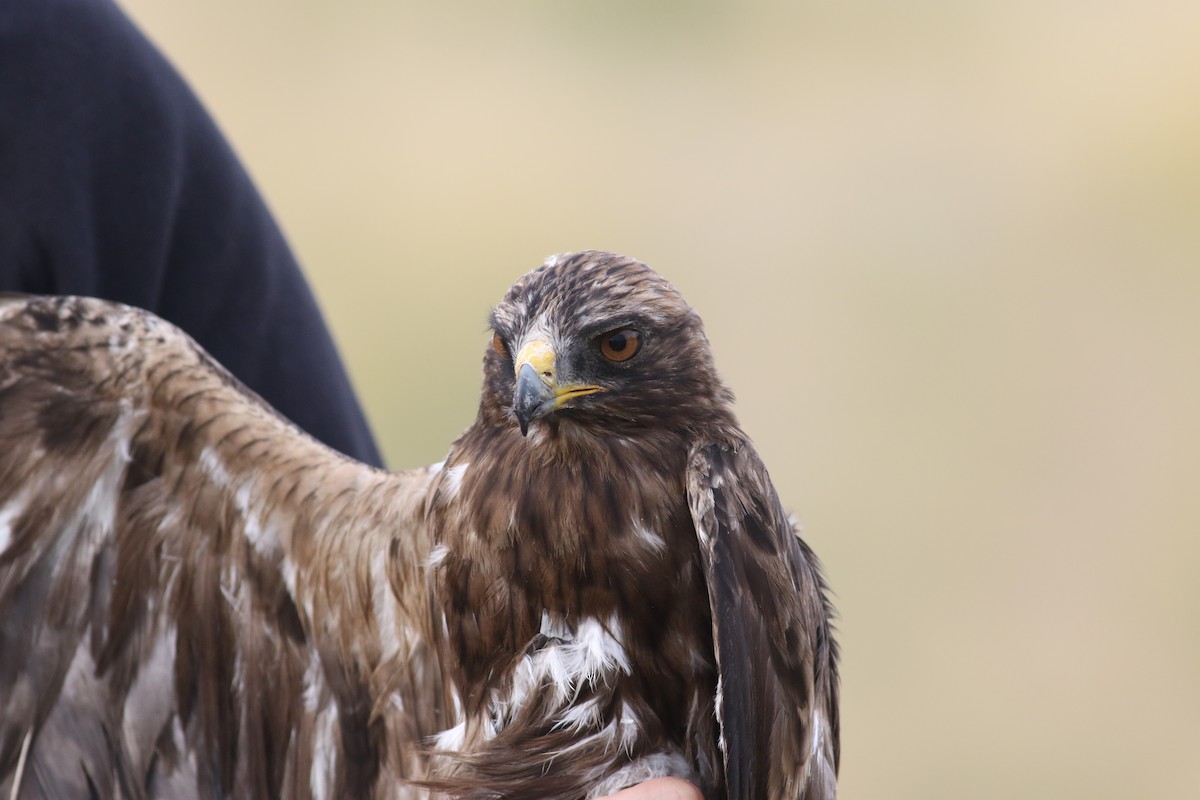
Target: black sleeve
point(115, 183)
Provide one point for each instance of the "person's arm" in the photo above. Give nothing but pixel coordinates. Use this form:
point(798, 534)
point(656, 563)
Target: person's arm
point(115, 183)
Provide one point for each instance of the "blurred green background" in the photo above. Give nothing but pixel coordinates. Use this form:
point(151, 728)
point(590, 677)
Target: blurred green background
point(949, 258)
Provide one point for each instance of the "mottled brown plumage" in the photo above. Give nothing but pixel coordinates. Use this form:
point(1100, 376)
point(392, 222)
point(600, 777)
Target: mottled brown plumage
point(599, 584)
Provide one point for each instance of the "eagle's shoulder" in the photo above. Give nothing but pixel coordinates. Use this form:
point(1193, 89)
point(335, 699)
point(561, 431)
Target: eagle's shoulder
point(193, 591)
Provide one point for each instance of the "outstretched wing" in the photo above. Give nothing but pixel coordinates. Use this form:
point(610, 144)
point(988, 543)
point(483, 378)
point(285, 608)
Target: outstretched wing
point(195, 597)
point(778, 687)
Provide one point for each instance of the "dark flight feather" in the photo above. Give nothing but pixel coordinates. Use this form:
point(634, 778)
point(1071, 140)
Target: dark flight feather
point(598, 586)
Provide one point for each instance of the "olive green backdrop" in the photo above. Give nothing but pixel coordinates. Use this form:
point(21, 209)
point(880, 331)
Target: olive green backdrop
point(949, 258)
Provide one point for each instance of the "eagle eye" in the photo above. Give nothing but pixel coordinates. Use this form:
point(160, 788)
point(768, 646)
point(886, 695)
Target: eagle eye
point(620, 345)
point(499, 345)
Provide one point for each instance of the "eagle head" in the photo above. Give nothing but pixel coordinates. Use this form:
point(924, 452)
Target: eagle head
point(598, 343)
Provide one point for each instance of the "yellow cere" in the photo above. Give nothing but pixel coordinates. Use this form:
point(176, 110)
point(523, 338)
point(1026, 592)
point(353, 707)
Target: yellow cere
point(539, 355)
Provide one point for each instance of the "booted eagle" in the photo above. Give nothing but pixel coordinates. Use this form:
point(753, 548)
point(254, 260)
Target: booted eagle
point(598, 586)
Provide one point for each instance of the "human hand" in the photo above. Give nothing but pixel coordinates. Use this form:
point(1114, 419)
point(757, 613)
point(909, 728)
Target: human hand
point(660, 789)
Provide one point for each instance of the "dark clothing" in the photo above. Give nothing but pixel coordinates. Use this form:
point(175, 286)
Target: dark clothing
point(115, 183)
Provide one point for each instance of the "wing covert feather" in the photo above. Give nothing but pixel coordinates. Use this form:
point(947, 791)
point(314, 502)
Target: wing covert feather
point(777, 660)
point(196, 598)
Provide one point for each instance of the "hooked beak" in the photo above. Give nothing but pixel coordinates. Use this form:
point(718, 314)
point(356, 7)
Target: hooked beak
point(538, 392)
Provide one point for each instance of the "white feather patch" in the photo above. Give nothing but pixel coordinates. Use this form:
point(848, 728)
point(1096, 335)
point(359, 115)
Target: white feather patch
point(720, 708)
point(101, 502)
point(437, 554)
point(324, 764)
point(9, 513)
point(649, 536)
point(211, 463)
point(314, 683)
point(818, 731)
point(453, 480)
point(452, 738)
point(383, 604)
point(582, 717)
point(147, 705)
point(591, 654)
point(621, 733)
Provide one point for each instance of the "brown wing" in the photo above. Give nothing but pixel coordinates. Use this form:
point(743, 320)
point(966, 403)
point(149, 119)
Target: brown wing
point(778, 687)
point(196, 599)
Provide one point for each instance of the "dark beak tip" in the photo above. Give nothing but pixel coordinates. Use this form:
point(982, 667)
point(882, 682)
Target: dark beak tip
point(531, 399)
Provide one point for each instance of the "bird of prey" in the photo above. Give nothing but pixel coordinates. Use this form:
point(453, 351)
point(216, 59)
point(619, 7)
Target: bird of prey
point(599, 585)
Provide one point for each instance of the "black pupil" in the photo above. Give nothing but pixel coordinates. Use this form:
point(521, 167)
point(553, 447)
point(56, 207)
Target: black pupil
point(617, 342)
